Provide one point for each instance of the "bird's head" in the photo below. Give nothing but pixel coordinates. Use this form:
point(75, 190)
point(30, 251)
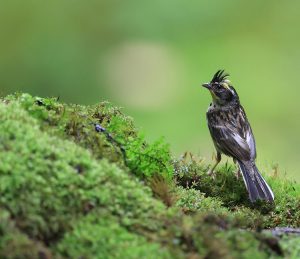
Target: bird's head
point(221, 89)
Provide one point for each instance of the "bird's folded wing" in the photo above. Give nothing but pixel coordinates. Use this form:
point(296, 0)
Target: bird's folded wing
point(232, 141)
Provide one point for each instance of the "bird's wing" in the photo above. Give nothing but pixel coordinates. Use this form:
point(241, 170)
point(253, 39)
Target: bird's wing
point(251, 142)
point(248, 133)
point(233, 137)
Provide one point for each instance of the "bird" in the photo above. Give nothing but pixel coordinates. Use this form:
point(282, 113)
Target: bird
point(232, 135)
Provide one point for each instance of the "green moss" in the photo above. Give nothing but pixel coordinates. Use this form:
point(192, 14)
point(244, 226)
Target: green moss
point(76, 123)
point(101, 236)
point(192, 200)
point(241, 244)
point(14, 244)
point(231, 191)
point(46, 182)
point(69, 191)
point(224, 185)
point(287, 207)
point(290, 245)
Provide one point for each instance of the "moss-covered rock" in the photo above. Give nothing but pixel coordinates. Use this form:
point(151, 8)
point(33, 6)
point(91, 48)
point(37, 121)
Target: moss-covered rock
point(47, 182)
point(81, 182)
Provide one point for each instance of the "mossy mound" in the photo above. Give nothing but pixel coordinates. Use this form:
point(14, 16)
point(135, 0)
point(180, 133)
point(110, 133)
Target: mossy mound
point(81, 182)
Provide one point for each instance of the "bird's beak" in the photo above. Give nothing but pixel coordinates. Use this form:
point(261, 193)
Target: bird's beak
point(207, 85)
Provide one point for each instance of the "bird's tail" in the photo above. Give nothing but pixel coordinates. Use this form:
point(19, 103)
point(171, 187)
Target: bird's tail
point(256, 185)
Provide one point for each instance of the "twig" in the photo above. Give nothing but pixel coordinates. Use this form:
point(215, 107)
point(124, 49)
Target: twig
point(279, 231)
point(110, 138)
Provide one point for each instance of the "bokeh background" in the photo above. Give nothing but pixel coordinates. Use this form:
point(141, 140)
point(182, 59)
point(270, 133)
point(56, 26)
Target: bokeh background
point(151, 57)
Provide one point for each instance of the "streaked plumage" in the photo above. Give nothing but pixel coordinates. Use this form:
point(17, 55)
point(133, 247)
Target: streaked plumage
point(232, 134)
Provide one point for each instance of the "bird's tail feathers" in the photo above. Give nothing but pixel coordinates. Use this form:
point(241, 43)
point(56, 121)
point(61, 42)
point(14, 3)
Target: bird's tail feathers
point(256, 185)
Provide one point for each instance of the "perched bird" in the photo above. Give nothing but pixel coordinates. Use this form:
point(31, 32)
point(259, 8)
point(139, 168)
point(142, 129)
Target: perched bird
point(232, 135)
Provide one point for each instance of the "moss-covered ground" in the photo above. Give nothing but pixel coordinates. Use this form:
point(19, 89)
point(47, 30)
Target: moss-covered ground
point(81, 182)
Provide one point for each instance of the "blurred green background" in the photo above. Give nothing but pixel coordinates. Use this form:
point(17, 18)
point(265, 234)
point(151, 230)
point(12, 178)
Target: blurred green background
point(151, 57)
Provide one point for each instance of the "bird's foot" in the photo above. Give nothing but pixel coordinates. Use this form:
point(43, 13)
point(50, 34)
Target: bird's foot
point(238, 174)
point(211, 173)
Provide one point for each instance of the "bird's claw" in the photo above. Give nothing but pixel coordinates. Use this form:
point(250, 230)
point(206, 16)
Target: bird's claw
point(238, 174)
point(211, 173)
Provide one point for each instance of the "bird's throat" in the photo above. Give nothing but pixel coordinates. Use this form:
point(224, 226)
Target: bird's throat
point(214, 97)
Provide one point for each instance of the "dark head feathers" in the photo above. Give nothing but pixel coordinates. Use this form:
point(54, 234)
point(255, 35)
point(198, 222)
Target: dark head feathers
point(219, 76)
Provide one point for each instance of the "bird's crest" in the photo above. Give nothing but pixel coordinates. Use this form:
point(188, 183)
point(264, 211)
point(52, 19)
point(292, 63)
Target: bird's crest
point(219, 76)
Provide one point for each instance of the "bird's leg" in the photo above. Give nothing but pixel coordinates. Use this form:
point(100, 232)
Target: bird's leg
point(238, 171)
point(218, 159)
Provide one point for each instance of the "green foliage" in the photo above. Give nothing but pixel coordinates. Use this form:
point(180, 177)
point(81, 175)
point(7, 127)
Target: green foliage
point(141, 157)
point(68, 191)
